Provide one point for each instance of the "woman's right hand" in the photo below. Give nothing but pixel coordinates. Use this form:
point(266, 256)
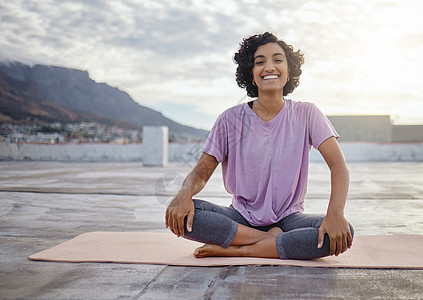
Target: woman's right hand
point(180, 207)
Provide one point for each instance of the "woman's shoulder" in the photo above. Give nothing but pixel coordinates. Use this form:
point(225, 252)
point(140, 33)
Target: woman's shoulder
point(300, 105)
point(235, 110)
point(302, 109)
point(231, 114)
point(238, 107)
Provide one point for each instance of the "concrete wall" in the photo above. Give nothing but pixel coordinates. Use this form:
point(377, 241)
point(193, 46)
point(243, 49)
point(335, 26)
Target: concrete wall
point(189, 153)
point(375, 129)
point(407, 133)
point(155, 145)
point(363, 128)
point(94, 152)
point(365, 152)
point(71, 152)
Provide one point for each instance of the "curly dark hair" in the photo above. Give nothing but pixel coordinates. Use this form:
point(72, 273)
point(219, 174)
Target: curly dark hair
point(244, 58)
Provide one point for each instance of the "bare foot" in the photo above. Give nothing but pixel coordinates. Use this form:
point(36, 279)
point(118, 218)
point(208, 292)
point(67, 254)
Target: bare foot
point(210, 250)
point(257, 249)
point(274, 231)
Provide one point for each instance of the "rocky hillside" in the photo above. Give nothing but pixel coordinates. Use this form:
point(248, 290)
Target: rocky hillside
point(73, 95)
point(25, 102)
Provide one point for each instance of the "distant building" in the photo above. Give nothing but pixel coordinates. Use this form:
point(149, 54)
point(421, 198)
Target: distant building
point(376, 129)
point(371, 128)
point(45, 138)
point(407, 133)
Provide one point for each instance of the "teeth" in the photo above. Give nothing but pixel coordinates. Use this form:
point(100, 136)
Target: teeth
point(270, 77)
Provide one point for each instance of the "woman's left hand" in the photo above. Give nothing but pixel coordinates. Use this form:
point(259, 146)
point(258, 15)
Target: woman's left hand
point(338, 230)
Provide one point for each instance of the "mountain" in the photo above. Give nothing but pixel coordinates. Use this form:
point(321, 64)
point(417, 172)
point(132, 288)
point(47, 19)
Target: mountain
point(25, 102)
point(73, 94)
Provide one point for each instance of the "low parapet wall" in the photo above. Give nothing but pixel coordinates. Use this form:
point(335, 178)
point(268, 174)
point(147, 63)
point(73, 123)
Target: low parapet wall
point(363, 152)
point(189, 153)
point(71, 152)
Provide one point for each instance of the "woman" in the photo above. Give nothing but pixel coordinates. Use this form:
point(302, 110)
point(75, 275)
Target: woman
point(264, 149)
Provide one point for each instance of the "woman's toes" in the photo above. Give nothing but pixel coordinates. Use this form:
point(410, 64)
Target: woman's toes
point(208, 250)
point(201, 251)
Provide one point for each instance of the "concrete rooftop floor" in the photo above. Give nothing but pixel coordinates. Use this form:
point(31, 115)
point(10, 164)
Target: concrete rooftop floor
point(45, 203)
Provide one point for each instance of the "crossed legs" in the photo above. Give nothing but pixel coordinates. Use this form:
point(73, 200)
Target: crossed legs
point(226, 233)
point(247, 242)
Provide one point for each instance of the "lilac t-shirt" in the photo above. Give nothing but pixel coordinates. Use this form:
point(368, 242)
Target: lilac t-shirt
point(265, 164)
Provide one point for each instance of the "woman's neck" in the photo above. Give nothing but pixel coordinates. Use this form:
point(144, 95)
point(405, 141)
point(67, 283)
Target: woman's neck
point(273, 102)
point(268, 106)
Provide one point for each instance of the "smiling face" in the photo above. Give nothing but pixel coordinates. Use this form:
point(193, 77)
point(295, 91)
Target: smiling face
point(270, 70)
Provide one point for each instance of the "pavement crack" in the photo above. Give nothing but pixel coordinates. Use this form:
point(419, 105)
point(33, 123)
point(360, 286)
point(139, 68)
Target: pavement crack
point(151, 282)
point(210, 288)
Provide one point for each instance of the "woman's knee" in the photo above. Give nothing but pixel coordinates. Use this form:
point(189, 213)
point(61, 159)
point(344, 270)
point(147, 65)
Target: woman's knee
point(319, 220)
point(351, 229)
point(203, 205)
point(198, 202)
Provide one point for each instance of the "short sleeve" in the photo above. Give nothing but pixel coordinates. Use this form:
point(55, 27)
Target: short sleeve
point(217, 141)
point(320, 128)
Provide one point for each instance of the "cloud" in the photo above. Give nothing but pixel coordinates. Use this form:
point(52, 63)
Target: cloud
point(181, 51)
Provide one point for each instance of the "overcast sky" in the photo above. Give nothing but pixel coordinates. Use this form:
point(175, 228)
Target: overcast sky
point(362, 56)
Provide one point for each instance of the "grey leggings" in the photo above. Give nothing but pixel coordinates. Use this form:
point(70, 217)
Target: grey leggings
point(218, 225)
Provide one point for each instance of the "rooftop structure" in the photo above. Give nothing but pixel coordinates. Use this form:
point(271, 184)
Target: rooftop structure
point(45, 203)
point(375, 129)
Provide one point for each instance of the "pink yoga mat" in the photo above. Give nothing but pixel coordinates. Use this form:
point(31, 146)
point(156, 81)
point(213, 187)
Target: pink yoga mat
point(379, 251)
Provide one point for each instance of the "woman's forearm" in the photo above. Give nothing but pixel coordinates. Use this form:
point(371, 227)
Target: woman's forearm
point(193, 183)
point(198, 177)
point(339, 188)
